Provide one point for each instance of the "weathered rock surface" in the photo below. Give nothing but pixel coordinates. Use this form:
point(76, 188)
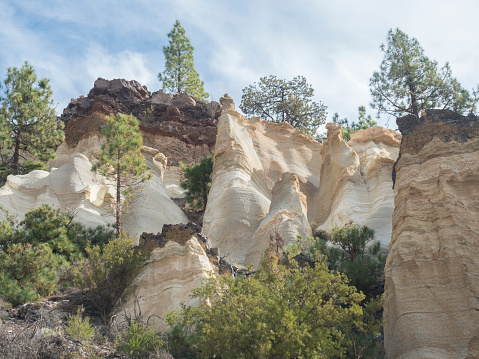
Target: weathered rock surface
point(355, 181)
point(270, 176)
point(179, 126)
point(72, 186)
point(177, 264)
point(431, 307)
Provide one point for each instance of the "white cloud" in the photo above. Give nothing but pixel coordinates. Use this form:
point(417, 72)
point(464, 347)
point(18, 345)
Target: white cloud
point(335, 45)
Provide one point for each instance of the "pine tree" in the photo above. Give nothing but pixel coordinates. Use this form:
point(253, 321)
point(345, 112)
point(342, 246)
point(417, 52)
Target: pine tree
point(121, 159)
point(278, 100)
point(197, 182)
point(29, 129)
point(408, 81)
point(180, 74)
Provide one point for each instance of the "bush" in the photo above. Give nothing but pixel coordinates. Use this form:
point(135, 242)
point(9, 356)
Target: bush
point(280, 311)
point(354, 253)
point(351, 250)
point(106, 273)
point(79, 327)
point(33, 250)
point(139, 340)
point(27, 272)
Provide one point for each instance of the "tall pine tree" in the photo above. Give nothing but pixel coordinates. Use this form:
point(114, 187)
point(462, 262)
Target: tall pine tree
point(29, 130)
point(180, 74)
point(408, 81)
point(121, 159)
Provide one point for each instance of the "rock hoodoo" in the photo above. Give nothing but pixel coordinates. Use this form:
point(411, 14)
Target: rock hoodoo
point(431, 294)
point(270, 177)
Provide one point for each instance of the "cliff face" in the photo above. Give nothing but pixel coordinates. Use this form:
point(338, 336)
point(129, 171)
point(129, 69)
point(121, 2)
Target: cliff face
point(72, 186)
point(270, 178)
point(177, 263)
point(179, 126)
point(355, 182)
point(431, 307)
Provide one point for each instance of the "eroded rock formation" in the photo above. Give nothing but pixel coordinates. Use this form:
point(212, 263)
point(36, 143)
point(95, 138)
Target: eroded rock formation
point(431, 307)
point(355, 181)
point(269, 177)
point(72, 186)
point(179, 260)
point(179, 126)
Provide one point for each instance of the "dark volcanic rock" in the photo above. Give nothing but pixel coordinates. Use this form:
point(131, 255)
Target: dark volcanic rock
point(189, 123)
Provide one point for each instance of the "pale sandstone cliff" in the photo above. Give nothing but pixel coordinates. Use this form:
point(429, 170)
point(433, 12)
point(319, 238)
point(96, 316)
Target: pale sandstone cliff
point(335, 182)
point(74, 187)
point(177, 264)
point(431, 307)
point(355, 182)
point(174, 128)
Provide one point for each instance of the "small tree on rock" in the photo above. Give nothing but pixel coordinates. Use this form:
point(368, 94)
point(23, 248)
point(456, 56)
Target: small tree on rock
point(279, 100)
point(121, 159)
point(29, 129)
point(408, 81)
point(180, 74)
point(197, 182)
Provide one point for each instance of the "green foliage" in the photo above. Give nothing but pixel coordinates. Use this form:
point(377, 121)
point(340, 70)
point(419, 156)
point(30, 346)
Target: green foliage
point(121, 159)
point(364, 121)
point(283, 312)
point(279, 100)
point(28, 271)
point(28, 124)
point(78, 326)
point(180, 74)
point(139, 340)
point(408, 81)
point(197, 182)
point(106, 273)
point(354, 253)
point(32, 251)
point(54, 227)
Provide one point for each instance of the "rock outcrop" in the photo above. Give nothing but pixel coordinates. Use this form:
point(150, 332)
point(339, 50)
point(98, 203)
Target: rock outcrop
point(431, 307)
point(355, 181)
point(73, 186)
point(179, 126)
point(179, 260)
point(269, 178)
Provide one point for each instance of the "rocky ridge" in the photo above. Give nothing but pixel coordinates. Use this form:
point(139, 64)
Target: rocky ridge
point(431, 292)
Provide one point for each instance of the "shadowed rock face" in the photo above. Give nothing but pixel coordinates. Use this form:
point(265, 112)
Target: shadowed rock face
point(179, 126)
point(431, 307)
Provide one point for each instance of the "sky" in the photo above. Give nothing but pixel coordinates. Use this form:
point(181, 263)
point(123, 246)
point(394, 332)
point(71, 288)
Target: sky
point(334, 44)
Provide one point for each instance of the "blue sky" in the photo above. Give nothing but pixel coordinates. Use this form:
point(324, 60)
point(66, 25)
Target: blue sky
point(334, 44)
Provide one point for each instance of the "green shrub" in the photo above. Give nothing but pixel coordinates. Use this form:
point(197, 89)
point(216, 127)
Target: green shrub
point(27, 272)
point(197, 182)
point(32, 251)
point(139, 340)
point(106, 273)
point(79, 327)
point(278, 312)
point(55, 227)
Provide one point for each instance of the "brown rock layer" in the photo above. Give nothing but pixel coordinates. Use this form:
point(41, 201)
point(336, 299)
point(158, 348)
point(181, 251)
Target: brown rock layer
point(180, 126)
point(431, 307)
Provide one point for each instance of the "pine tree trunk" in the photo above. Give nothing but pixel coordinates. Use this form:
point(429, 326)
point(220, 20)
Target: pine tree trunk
point(16, 156)
point(118, 201)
